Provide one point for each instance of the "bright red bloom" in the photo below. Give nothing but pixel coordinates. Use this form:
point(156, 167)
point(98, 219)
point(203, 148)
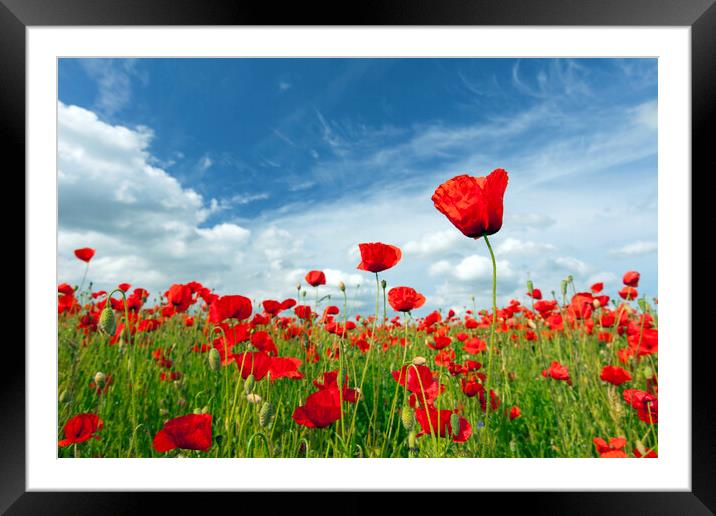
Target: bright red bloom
point(644, 343)
point(81, 427)
point(303, 312)
point(190, 432)
point(545, 306)
point(473, 204)
point(124, 286)
point(649, 454)
point(262, 341)
point(285, 367)
point(613, 450)
point(85, 254)
point(615, 375)
point(180, 297)
point(558, 372)
point(646, 405)
point(443, 427)
point(315, 278)
point(515, 412)
point(257, 363)
point(420, 383)
point(631, 279)
point(628, 293)
point(405, 299)
point(536, 294)
point(439, 342)
point(581, 305)
point(474, 346)
point(377, 257)
point(321, 409)
point(597, 288)
point(230, 307)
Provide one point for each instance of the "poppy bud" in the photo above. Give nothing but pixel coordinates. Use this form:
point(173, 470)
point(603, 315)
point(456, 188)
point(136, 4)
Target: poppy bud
point(65, 396)
point(454, 423)
point(359, 394)
point(411, 440)
point(406, 416)
point(205, 409)
point(563, 286)
point(265, 414)
point(383, 284)
point(107, 324)
point(341, 286)
point(418, 361)
point(99, 379)
point(249, 385)
point(197, 410)
point(648, 372)
point(596, 304)
point(570, 279)
point(530, 287)
point(253, 398)
point(214, 359)
point(298, 286)
point(303, 293)
point(163, 412)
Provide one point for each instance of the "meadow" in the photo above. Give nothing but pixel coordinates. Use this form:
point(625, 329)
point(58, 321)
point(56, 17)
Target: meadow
point(192, 373)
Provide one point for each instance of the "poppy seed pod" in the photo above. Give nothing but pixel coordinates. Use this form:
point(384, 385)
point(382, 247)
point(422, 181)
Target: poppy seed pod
point(383, 284)
point(107, 323)
point(530, 286)
point(65, 396)
point(596, 304)
point(563, 286)
point(341, 286)
point(249, 385)
point(411, 441)
point(214, 359)
point(406, 416)
point(266, 414)
point(298, 286)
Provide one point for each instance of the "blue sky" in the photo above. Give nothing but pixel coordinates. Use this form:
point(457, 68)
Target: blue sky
point(245, 173)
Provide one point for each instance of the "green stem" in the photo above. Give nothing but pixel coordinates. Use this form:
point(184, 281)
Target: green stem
point(488, 378)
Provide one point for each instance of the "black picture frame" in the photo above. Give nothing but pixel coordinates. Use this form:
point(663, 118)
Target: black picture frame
point(700, 15)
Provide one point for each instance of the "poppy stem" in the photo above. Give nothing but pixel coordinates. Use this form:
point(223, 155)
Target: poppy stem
point(488, 378)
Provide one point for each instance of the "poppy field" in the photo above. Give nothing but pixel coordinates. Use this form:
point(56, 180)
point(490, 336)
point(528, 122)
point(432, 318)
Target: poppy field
point(190, 372)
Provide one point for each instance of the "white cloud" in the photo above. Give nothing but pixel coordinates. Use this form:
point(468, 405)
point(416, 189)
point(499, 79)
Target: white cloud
point(638, 248)
point(431, 243)
point(516, 247)
point(571, 264)
point(114, 81)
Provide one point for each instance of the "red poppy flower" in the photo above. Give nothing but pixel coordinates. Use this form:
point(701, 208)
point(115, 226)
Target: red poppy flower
point(615, 375)
point(648, 454)
point(262, 341)
point(420, 383)
point(628, 293)
point(581, 305)
point(545, 306)
point(124, 286)
point(631, 279)
point(190, 432)
point(558, 372)
point(474, 346)
point(315, 278)
point(257, 363)
point(443, 428)
point(85, 254)
point(439, 342)
point(81, 427)
point(405, 299)
point(377, 257)
point(180, 297)
point(303, 312)
point(473, 204)
point(646, 342)
point(597, 288)
point(613, 450)
point(230, 307)
point(321, 409)
point(515, 412)
point(536, 294)
point(646, 405)
point(285, 367)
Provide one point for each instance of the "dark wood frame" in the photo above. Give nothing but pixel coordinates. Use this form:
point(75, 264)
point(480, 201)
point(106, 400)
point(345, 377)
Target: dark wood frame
point(700, 15)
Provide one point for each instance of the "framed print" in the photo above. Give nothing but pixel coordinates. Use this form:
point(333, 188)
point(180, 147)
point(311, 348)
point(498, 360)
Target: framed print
point(434, 250)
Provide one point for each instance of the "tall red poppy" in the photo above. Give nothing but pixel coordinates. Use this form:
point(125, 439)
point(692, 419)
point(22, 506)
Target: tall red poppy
point(315, 278)
point(80, 428)
point(474, 205)
point(613, 450)
point(631, 279)
point(85, 254)
point(615, 375)
point(629, 293)
point(429, 424)
point(228, 307)
point(190, 432)
point(558, 372)
point(405, 299)
point(377, 257)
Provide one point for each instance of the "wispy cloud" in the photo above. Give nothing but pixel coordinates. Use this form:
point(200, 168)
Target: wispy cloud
point(638, 248)
point(114, 79)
